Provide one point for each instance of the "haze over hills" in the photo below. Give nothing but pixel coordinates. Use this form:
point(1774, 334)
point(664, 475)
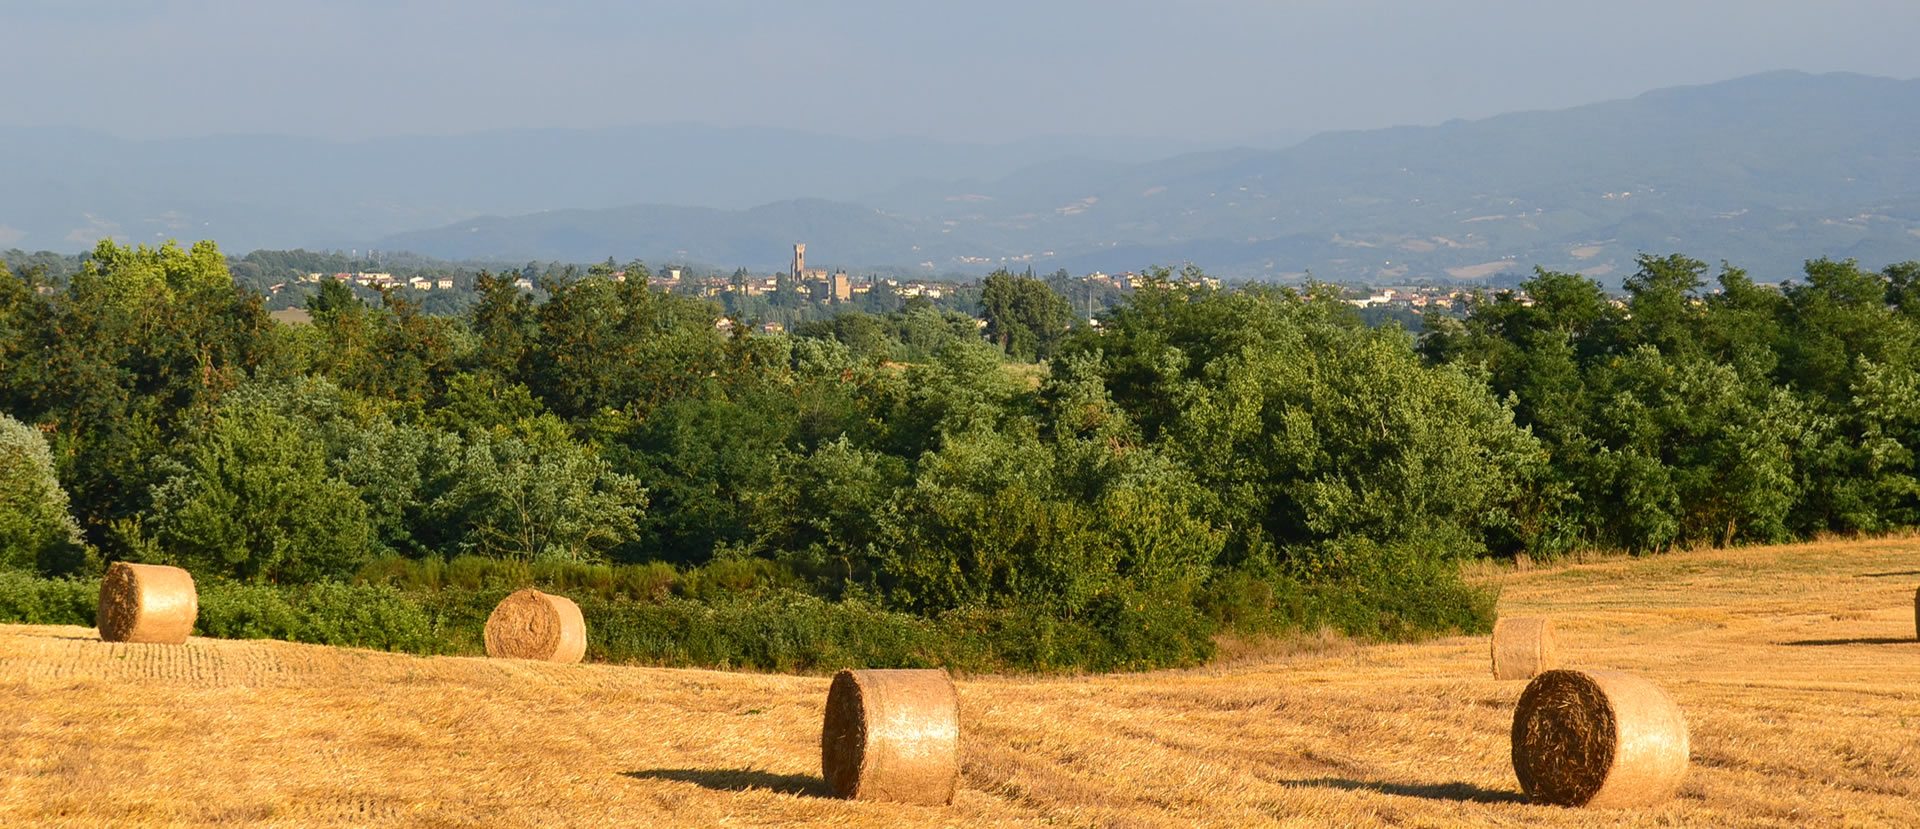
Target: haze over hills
point(1764, 171)
point(66, 188)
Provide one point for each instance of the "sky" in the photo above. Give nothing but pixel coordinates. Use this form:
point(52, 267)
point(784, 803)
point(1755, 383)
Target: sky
point(1215, 71)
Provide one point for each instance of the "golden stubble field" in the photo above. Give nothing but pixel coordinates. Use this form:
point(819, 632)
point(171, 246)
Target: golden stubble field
point(1797, 668)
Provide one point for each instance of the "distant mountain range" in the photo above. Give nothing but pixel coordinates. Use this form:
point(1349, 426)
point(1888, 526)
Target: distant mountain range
point(1763, 171)
point(62, 189)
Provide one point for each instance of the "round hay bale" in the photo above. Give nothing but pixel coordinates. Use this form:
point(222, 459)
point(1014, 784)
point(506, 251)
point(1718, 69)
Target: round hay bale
point(530, 624)
point(1605, 739)
point(892, 735)
point(1916, 614)
point(146, 603)
point(1523, 648)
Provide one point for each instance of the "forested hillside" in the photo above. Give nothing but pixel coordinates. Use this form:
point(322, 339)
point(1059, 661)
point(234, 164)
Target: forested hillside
point(1766, 170)
point(908, 489)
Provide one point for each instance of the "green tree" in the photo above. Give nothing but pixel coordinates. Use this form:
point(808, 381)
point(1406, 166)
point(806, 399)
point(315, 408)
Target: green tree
point(1690, 455)
point(404, 473)
point(701, 461)
point(536, 494)
point(256, 502)
point(1838, 317)
point(1888, 401)
point(1024, 316)
point(1838, 325)
point(137, 278)
point(982, 525)
point(127, 360)
point(1315, 439)
point(1664, 308)
point(36, 531)
point(822, 512)
point(1903, 288)
point(603, 345)
point(503, 322)
point(483, 402)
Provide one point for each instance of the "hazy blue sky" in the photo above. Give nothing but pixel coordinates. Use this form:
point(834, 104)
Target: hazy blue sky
point(975, 69)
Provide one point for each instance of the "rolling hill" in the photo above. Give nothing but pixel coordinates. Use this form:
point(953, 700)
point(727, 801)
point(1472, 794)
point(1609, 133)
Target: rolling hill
point(758, 235)
point(1765, 171)
point(66, 188)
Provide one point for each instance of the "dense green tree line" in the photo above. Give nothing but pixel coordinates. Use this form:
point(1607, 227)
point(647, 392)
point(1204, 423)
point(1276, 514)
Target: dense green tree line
point(1254, 460)
point(1681, 416)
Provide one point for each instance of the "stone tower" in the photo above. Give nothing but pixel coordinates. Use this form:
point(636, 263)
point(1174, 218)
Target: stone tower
point(799, 260)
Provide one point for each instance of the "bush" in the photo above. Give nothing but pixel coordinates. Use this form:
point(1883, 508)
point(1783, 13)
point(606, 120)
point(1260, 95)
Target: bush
point(256, 502)
point(29, 599)
point(773, 628)
point(238, 611)
point(1402, 604)
point(326, 613)
point(731, 577)
point(365, 616)
point(361, 616)
point(787, 632)
point(36, 529)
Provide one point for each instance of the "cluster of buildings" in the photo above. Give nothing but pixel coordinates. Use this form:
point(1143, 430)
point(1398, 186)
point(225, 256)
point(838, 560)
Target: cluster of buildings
point(383, 280)
point(822, 286)
point(818, 284)
point(726, 325)
point(837, 287)
point(1131, 281)
point(1412, 298)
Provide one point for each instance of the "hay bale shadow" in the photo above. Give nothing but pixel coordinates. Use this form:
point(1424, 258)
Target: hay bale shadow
point(1456, 791)
point(739, 780)
point(1888, 575)
point(1870, 640)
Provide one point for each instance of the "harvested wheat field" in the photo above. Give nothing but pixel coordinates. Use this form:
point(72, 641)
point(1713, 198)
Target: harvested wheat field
point(1796, 668)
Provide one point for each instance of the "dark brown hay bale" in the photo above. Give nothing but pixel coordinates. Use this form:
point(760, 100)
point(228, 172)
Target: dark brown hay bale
point(1605, 739)
point(530, 624)
point(892, 735)
point(146, 603)
point(1523, 648)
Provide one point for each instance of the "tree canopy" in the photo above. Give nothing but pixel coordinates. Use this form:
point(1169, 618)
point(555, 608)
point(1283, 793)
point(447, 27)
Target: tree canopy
point(1203, 460)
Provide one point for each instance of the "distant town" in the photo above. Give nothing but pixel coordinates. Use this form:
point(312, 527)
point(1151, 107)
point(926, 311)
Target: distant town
point(801, 284)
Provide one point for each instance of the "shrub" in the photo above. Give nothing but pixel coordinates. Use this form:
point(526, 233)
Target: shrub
point(36, 530)
point(788, 631)
point(326, 613)
point(360, 616)
point(28, 599)
point(256, 502)
point(238, 611)
point(1404, 603)
point(731, 577)
point(364, 616)
point(781, 629)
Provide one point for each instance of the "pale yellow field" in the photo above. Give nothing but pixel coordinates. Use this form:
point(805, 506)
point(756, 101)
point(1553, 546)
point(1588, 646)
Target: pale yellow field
point(1797, 667)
